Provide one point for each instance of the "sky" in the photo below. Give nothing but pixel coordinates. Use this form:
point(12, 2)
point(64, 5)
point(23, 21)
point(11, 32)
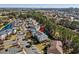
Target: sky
point(39, 5)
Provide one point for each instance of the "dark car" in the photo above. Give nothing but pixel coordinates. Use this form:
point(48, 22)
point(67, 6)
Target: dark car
point(28, 45)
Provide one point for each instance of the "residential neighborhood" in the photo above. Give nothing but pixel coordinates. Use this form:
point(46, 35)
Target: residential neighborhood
point(39, 31)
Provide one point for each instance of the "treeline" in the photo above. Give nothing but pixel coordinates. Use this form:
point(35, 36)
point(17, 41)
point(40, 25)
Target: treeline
point(69, 24)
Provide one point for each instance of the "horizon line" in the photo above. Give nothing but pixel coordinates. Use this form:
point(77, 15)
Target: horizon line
point(39, 5)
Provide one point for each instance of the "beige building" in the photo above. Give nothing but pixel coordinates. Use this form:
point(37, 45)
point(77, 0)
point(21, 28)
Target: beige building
point(55, 47)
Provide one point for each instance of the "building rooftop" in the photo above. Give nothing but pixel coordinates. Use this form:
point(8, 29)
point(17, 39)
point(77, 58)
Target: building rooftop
point(55, 47)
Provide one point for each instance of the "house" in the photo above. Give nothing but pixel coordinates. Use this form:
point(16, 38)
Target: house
point(37, 27)
point(33, 31)
point(55, 47)
point(40, 36)
point(42, 28)
point(5, 33)
point(2, 37)
point(12, 50)
point(9, 31)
